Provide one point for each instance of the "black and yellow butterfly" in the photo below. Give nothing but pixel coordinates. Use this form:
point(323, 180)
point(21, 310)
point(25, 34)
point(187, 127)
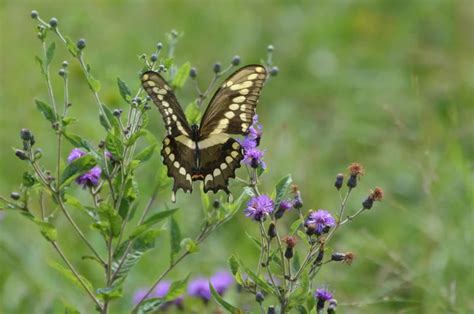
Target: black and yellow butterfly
point(207, 152)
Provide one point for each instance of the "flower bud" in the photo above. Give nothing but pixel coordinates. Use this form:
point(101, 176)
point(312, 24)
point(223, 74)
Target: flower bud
point(65, 64)
point(15, 196)
point(338, 257)
point(332, 306)
point(34, 14)
point(259, 297)
point(193, 73)
point(161, 68)
point(62, 72)
point(271, 310)
point(174, 33)
point(216, 203)
point(217, 67)
point(81, 44)
point(270, 48)
point(288, 253)
point(53, 22)
point(21, 154)
point(101, 144)
point(368, 203)
point(274, 71)
point(117, 112)
point(26, 135)
point(272, 230)
point(235, 60)
point(298, 201)
point(159, 46)
point(154, 57)
point(339, 181)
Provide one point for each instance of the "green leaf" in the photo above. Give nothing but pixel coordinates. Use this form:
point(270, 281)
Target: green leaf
point(139, 246)
point(300, 294)
point(76, 168)
point(69, 309)
point(109, 120)
point(113, 292)
point(50, 53)
point(175, 238)
point(135, 136)
point(46, 110)
point(114, 146)
point(70, 275)
point(281, 189)
point(193, 113)
point(190, 245)
point(39, 61)
point(124, 90)
point(177, 289)
point(150, 305)
point(110, 220)
point(150, 222)
point(28, 179)
point(229, 307)
point(93, 83)
point(168, 62)
point(181, 76)
point(71, 47)
point(263, 284)
point(47, 230)
point(146, 153)
point(234, 265)
point(78, 141)
point(295, 261)
point(74, 202)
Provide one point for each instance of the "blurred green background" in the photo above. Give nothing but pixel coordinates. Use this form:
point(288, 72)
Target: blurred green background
point(385, 83)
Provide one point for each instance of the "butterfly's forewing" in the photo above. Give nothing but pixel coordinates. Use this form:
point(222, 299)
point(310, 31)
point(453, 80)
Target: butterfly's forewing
point(164, 98)
point(219, 162)
point(233, 106)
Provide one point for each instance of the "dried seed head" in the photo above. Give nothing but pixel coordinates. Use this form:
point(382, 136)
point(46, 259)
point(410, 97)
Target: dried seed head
point(290, 241)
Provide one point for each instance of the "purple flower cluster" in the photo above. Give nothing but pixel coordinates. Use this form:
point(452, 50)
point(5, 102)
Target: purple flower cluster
point(259, 207)
point(160, 291)
point(319, 221)
point(322, 295)
point(90, 178)
point(253, 156)
point(198, 287)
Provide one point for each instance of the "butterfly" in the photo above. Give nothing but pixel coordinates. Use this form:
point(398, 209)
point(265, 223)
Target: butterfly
point(206, 152)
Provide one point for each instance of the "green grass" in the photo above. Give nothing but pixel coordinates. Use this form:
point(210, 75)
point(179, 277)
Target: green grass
point(386, 83)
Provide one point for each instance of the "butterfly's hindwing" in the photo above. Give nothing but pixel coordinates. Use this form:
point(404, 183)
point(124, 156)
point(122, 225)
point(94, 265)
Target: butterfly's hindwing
point(219, 160)
point(232, 108)
point(164, 98)
point(178, 156)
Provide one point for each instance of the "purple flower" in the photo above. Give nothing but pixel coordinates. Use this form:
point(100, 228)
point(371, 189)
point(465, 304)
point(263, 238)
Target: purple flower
point(90, 178)
point(248, 143)
point(221, 281)
point(259, 207)
point(283, 207)
point(139, 294)
point(75, 153)
point(254, 158)
point(255, 130)
point(199, 287)
point(320, 220)
point(322, 295)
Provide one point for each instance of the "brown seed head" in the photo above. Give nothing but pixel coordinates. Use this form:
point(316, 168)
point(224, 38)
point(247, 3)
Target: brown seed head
point(349, 258)
point(290, 241)
point(356, 169)
point(377, 194)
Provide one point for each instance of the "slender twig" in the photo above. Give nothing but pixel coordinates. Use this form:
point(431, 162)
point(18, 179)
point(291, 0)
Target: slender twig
point(76, 274)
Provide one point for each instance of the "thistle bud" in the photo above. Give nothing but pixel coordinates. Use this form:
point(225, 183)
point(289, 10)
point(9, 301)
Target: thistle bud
point(271, 310)
point(174, 33)
point(356, 171)
point(34, 14)
point(216, 203)
point(53, 22)
point(339, 181)
point(290, 244)
point(217, 67)
point(26, 135)
point(159, 46)
point(272, 231)
point(21, 154)
point(332, 306)
point(274, 71)
point(193, 73)
point(65, 64)
point(338, 257)
point(117, 112)
point(270, 48)
point(259, 297)
point(101, 144)
point(235, 60)
point(15, 196)
point(154, 57)
point(81, 44)
point(62, 72)
point(161, 68)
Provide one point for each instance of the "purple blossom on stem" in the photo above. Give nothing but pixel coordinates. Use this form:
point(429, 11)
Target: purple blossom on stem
point(320, 220)
point(139, 294)
point(90, 178)
point(254, 158)
point(259, 207)
point(255, 130)
point(322, 295)
point(221, 281)
point(199, 287)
